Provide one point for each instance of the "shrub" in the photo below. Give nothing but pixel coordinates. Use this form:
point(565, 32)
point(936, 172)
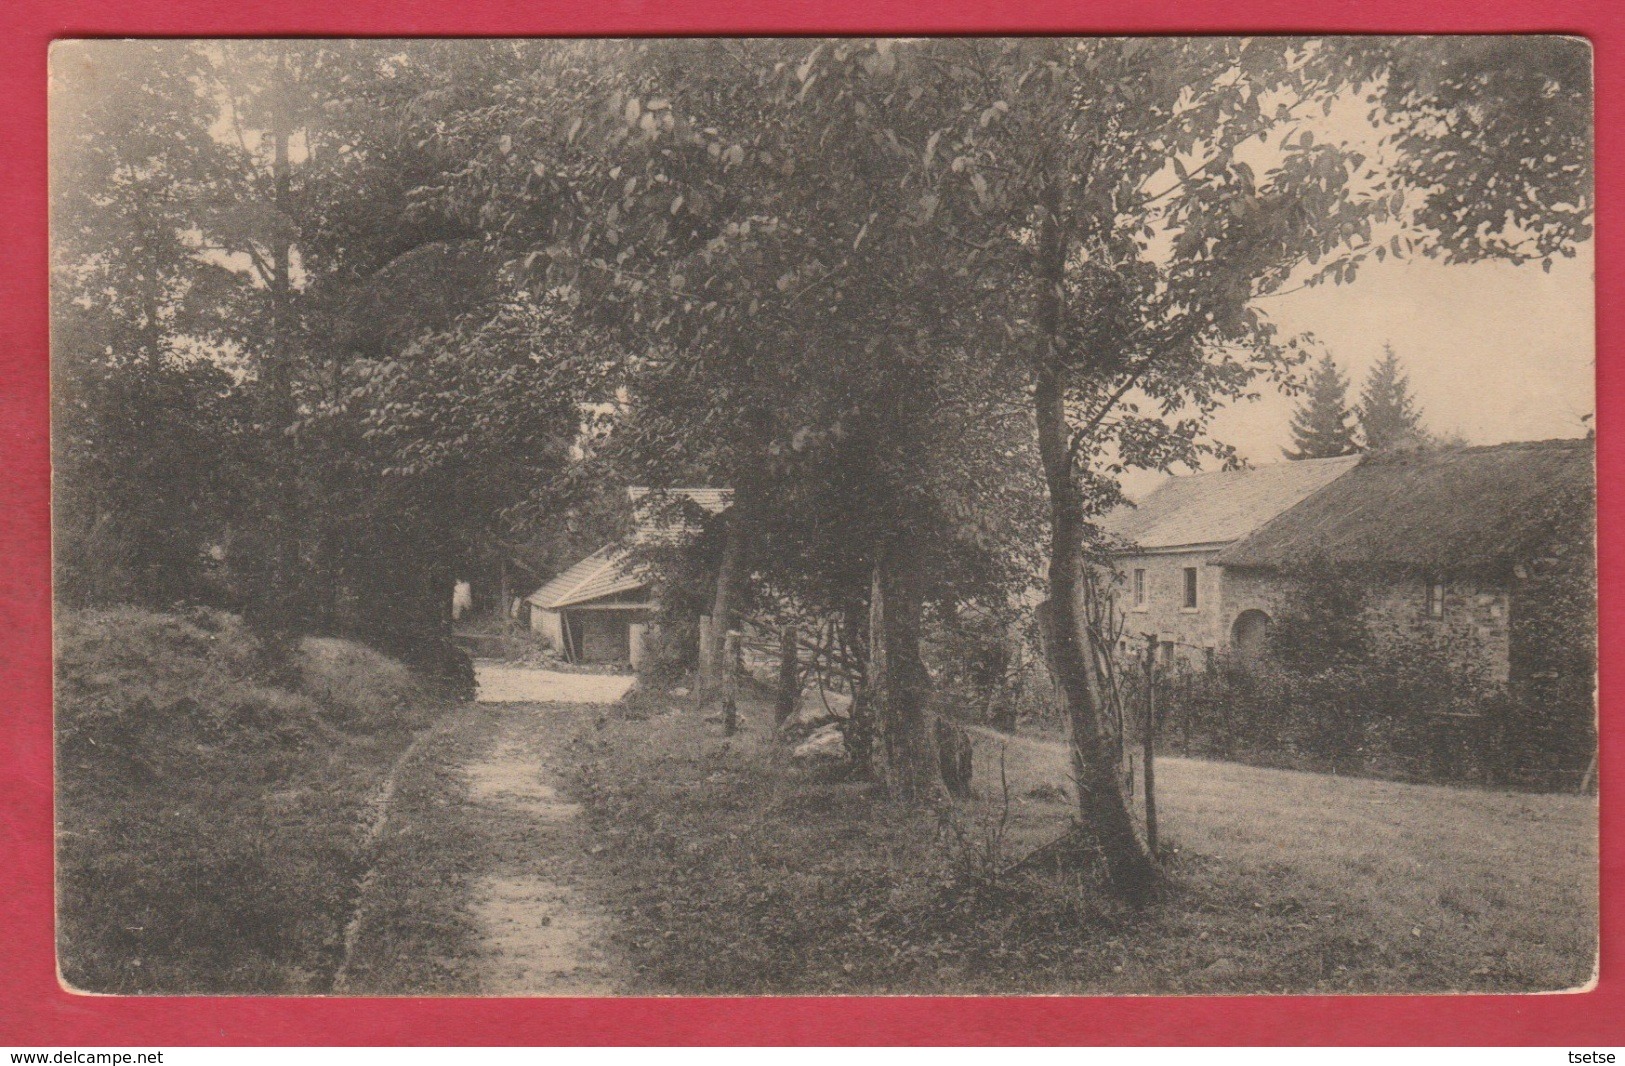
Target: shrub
point(358, 687)
point(1412, 709)
point(1328, 694)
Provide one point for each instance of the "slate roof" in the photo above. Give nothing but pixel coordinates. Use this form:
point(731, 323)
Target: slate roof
point(1222, 506)
point(1450, 509)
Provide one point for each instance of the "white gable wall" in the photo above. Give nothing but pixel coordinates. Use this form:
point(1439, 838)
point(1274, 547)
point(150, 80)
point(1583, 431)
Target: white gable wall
point(549, 625)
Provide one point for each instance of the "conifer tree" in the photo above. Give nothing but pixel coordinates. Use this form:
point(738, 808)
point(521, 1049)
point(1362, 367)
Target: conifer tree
point(1323, 425)
point(1388, 415)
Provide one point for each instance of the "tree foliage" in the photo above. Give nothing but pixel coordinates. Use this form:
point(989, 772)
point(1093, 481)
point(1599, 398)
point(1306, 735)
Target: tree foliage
point(1323, 427)
point(1495, 134)
point(1388, 415)
point(136, 401)
point(252, 330)
point(919, 303)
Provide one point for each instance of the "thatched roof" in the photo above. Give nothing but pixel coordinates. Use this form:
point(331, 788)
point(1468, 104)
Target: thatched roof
point(1448, 509)
point(1222, 506)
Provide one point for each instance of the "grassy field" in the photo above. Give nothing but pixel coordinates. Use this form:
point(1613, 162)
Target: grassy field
point(731, 871)
point(1509, 877)
point(214, 808)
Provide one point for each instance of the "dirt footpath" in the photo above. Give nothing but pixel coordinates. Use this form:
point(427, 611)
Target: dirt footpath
point(506, 683)
point(539, 934)
point(481, 882)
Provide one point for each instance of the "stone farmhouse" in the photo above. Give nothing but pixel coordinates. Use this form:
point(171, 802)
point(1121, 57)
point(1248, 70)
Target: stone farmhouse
point(1445, 541)
point(1172, 584)
point(601, 609)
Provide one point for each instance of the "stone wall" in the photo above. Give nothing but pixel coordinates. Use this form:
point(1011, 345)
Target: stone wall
point(1164, 611)
point(1475, 620)
point(1474, 623)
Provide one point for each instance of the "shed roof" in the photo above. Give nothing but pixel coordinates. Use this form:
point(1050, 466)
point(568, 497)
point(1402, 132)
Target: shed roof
point(662, 515)
point(605, 572)
point(1222, 506)
point(670, 514)
point(1451, 509)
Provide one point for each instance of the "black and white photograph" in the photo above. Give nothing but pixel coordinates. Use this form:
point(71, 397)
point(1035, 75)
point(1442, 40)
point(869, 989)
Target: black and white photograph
point(938, 516)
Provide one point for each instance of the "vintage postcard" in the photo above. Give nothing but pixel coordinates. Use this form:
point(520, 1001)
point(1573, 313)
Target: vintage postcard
point(929, 516)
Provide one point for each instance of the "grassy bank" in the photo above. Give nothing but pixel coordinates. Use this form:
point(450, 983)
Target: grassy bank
point(213, 807)
point(416, 934)
point(734, 872)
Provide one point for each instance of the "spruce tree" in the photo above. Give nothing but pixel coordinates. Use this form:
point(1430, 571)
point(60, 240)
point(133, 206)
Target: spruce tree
point(1388, 415)
point(1323, 425)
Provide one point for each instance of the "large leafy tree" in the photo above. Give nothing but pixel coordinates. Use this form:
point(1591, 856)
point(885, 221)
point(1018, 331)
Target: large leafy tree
point(864, 465)
point(1323, 425)
point(433, 394)
point(143, 430)
point(1100, 217)
point(1139, 240)
point(240, 287)
point(736, 237)
point(1111, 224)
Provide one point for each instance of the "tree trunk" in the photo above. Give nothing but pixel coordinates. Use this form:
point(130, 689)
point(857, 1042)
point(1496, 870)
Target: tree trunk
point(730, 702)
point(860, 725)
point(714, 664)
point(898, 683)
point(1103, 806)
point(1102, 803)
point(504, 608)
point(954, 752)
point(1148, 754)
point(275, 600)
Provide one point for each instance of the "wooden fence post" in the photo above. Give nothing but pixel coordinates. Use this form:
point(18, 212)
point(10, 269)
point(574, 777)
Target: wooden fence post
point(730, 672)
point(789, 676)
point(705, 649)
point(1148, 770)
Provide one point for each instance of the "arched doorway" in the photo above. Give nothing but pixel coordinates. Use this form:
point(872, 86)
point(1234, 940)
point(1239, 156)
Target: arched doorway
point(1249, 631)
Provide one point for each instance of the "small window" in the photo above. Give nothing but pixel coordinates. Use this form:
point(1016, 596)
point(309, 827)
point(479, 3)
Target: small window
point(1435, 599)
point(1190, 588)
point(1139, 588)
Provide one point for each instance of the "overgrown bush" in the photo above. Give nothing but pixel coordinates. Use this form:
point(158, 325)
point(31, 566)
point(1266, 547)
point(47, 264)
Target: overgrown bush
point(986, 670)
point(1553, 705)
point(1330, 694)
point(212, 822)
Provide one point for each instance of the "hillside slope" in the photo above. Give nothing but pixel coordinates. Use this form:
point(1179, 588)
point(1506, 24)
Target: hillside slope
point(213, 806)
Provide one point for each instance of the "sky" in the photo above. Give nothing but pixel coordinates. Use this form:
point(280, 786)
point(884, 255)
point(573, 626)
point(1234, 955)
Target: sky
point(1495, 352)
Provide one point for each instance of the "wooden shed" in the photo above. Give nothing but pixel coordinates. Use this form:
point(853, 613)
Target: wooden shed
point(588, 613)
point(600, 609)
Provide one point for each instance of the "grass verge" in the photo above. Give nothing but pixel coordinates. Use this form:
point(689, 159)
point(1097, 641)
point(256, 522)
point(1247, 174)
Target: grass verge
point(416, 935)
point(733, 872)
